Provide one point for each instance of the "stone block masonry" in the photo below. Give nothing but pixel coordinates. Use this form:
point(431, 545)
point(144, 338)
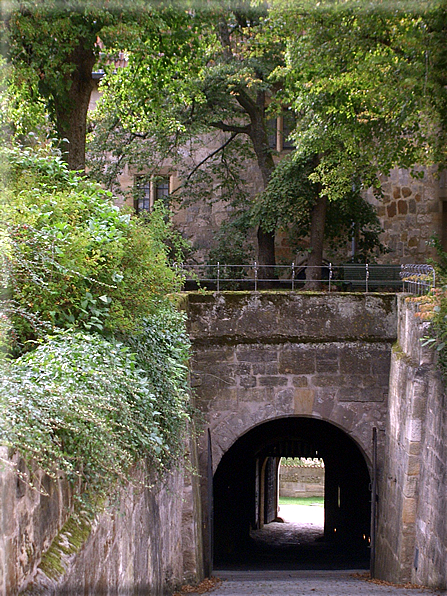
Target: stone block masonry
point(412, 537)
point(148, 541)
point(301, 481)
point(261, 356)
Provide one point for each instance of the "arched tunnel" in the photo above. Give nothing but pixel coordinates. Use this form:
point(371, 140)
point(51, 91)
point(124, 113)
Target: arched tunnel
point(245, 496)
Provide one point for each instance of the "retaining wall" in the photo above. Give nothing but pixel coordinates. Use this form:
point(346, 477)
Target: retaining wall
point(412, 536)
point(147, 541)
point(300, 481)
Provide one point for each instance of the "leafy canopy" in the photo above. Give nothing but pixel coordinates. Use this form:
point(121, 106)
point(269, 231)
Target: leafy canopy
point(369, 87)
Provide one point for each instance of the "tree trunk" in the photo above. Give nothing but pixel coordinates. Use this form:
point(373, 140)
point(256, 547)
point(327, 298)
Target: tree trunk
point(316, 240)
point(259, 139)
point(266, 254)
point(71, 108)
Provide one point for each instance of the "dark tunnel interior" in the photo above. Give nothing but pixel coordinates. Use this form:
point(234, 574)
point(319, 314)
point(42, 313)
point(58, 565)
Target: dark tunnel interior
point(245, 490)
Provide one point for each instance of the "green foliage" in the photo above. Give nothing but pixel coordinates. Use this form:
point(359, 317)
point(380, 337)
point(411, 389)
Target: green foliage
point(433, 307)
point(23, 115)
point(366, 85)
point(237, 252)
point(88, 409)
point(192, 94)
point(161, 347)
point(287, 202)
point(289, 196)
point(169, 103)
point(100, 378)
point(73, 259)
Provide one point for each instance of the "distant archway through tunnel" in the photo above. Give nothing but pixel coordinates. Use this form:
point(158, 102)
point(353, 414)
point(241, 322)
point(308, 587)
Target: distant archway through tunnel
point(245, 493)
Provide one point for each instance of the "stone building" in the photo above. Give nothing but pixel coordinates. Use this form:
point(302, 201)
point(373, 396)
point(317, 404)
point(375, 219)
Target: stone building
point(411, 211)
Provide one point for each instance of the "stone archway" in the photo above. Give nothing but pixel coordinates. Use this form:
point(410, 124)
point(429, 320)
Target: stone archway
point(258, 357)
point(244, 488)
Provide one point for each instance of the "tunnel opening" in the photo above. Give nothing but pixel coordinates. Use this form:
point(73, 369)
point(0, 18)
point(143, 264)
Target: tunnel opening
point(248, 532)
point(301, 492)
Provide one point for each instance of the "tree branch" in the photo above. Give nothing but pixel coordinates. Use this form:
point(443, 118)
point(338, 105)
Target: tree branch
point(246, 102)
point(211, 155)
point(231, 127)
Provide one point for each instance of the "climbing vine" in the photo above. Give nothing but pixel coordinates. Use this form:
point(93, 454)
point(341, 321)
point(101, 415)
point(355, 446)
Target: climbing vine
point(433, 308)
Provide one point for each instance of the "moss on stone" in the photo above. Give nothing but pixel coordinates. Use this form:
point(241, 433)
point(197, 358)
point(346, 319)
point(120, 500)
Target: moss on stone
point(399, 353)
point(68, 541)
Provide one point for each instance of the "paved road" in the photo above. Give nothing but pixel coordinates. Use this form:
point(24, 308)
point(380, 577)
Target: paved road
point(303, 583)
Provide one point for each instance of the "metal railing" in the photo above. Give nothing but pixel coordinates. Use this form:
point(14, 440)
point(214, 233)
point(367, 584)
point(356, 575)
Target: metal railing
point(416, 279)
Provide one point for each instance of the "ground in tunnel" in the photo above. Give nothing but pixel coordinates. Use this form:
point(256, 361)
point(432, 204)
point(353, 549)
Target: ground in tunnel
point(295, 543)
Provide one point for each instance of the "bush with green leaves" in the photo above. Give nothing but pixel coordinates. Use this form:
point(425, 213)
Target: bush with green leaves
point(88, 409)
point(433, 307)
point(95, 378)
point(71, 257)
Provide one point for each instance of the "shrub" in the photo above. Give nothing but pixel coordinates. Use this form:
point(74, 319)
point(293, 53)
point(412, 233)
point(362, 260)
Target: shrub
point(88, 408)
point(72, 259)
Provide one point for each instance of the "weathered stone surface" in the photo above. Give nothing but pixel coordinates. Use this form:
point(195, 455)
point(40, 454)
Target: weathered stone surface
point(148, 541)
point(412, 537)
point(315, 355)
point(250, 317)
point(304, 401)
point(413, 200)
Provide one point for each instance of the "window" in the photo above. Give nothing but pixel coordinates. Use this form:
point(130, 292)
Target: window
point(150, 190)
point(161, 188)
point(278, 130)
point(143, 200)
point(272, 132)
point(288, 124)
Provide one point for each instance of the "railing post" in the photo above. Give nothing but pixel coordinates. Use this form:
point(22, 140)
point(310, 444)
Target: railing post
point(330, 275)
point(218, 276)
point(293, 276)
point(367, 277)
point(256, 276)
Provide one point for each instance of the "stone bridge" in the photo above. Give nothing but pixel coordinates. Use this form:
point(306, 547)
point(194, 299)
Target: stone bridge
point(275, 374)
point(288, 374)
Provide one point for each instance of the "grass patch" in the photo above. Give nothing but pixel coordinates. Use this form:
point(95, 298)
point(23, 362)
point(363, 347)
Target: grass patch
point(301, 501)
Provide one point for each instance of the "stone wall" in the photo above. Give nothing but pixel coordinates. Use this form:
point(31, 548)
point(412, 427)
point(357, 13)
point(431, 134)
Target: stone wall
point(260, 356)
point(410, 212)
point(264, 356)
point(147, 541)
point(412, 536)
point(301, 481)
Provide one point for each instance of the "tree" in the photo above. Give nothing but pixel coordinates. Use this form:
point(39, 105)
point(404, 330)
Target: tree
point(60, 43)
point(224, 86)
point(369, 90)
point(288, 201)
